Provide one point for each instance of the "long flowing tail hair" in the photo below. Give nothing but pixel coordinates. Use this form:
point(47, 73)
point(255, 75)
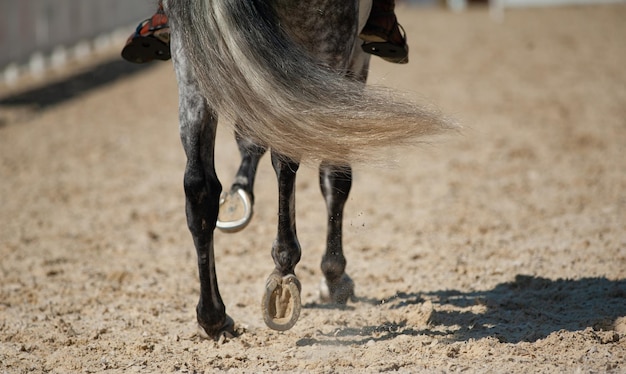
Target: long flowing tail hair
point(251, 71)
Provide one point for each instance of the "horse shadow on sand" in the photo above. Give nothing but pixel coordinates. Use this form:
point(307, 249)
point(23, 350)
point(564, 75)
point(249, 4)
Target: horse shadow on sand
point(524, 310)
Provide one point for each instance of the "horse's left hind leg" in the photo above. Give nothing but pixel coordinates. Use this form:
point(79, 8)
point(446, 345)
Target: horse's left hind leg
point(281, 302)
point(202, 190)
point(198, 126)
point(335, 182)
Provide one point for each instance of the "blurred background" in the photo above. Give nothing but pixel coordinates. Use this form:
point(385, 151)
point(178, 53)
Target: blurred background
point(38, 34)
point(44, 32)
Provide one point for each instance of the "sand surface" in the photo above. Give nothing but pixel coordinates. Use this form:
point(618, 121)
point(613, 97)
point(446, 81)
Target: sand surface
point(500, 249)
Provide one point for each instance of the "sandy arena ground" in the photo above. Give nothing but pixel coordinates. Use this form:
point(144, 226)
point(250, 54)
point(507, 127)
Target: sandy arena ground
point(498, 249)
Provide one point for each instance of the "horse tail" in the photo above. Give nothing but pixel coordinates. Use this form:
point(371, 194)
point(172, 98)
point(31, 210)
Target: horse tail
point(252, 72)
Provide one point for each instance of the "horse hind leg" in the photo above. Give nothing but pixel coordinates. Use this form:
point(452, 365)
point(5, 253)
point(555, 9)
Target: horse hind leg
point(198, 124)
point(335, 183)
point(281, 302)
point(202, 191)
point(236, 205)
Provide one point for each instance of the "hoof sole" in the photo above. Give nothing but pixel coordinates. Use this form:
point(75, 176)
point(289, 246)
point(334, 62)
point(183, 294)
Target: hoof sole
point(281, 303)
point(235, 211)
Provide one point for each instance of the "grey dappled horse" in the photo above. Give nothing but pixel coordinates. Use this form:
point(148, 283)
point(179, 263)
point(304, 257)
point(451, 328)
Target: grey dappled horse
point(291, 77)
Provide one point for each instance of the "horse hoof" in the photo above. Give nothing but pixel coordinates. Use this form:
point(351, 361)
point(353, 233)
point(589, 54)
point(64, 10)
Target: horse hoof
point(226, 331)
point(338, 292)
point(281, 302)
point(235, 211)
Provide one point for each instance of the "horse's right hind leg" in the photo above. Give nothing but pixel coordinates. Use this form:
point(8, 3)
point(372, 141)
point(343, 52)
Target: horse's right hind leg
point(236, 205)
point(335, 183)
point(281, 303)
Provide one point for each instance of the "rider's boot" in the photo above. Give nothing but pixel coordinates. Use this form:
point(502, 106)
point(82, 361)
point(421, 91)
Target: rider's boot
point(383, 35)
point(150, 41)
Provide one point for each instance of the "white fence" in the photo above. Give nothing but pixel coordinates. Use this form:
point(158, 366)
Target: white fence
point(29, 27)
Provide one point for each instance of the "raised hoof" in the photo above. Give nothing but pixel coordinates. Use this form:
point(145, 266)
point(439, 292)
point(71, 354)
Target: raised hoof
point(281, 303)
point(338, 292)
point(235, 211)
point(226, 331)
